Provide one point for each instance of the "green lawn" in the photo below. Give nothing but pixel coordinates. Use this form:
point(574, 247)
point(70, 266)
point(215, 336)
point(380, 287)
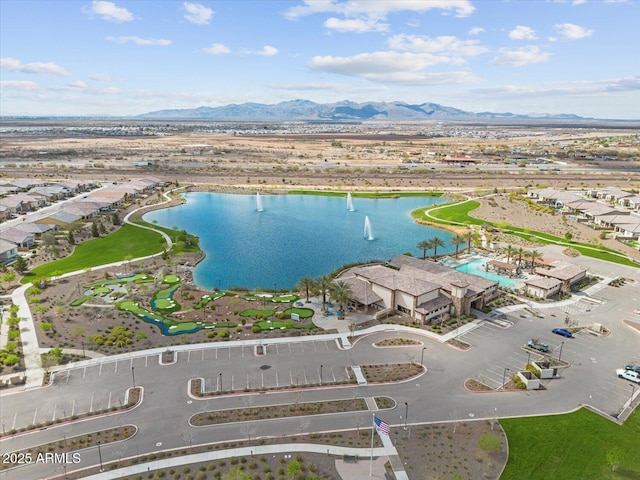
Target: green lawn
point(572, 446)
point(126, 242)
point(459, 214)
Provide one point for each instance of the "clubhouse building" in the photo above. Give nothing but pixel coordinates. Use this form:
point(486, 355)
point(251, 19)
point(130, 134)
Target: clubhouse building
point(425, 291)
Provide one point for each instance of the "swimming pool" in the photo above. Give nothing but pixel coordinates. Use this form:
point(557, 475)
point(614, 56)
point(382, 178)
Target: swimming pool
point(477, 267)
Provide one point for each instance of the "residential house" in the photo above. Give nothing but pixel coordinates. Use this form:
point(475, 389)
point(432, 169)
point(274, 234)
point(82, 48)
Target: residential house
point(8, 251)
point(24, 240)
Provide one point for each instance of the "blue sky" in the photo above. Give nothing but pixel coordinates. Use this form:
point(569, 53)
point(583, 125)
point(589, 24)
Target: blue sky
point(128, 57)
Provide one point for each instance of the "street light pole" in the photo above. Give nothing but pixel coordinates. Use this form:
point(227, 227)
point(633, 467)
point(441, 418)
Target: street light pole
point(100, 456)
point(504, 374)
point(321, 375)
point(422, 357)
point(133, 377)
point(83, 355)
point(406, 414)
point(220, 378)
point(560, 355)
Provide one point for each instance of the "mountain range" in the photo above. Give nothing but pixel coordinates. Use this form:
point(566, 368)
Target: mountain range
point(344, 111)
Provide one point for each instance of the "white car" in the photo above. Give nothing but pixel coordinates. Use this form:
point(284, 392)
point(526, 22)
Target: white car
point(628, 375)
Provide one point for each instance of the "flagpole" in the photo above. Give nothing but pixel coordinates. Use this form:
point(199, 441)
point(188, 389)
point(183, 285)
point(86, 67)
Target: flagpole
point(373, 427)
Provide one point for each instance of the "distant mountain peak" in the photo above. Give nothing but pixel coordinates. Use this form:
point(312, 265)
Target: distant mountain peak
point(345, 110)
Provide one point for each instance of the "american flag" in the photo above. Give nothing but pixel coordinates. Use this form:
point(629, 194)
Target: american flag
point(381, 426)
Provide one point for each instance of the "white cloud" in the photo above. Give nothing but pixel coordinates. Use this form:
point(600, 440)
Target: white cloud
point(355, 25)
point(110, 12)
point(522, 33)
point(520, 57)
point(578, 2)
point(22, 85)
point(79, 85)
point(581, 88)
point(323, 86)
point(445, 44)
point(378, 9)
point(267, 51)
point(476, 31)
point(392, 67)
point(196, 13)
point(141, 41)
point(101, 77)
point(571, 31)
point(37, 68)
point(217, 49)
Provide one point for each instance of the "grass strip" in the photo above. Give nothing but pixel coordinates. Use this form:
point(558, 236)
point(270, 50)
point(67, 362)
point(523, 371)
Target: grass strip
point(365, 194)
point(458, 214)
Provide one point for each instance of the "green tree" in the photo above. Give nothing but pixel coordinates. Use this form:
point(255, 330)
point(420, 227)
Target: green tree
point(520, 252)
point(294, 467)
point(340, 292)
point(615, 457)
point(102, 228)
point(115, 218)
point(568, 236)
point(468, 237)
point(424, 245)
point(305, 284)
point(457, 241)
point(20, 265)
point(323, 284)
point(437, 242)
point(509, 251)
point(533, 256)
point(94, 230)
point(71, 238)
point(48, 239)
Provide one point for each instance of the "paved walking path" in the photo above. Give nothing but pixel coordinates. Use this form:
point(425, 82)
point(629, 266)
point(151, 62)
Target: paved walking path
point(356, 471)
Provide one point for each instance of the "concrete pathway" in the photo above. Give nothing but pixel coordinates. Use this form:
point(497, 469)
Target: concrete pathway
point(356, 471)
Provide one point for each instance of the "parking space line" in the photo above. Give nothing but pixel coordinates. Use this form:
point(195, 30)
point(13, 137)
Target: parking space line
point(34, 416)
point(15, 417)
point(100, 369)
point(116, 369)
point(91, 404)
point(189, 356)
point(55, 406)
point(73, 406)
point(145, 361)
point(109, 404)
point(84, 372)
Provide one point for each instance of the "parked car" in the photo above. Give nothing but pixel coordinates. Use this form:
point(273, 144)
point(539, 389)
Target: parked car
point(543, 347)
point(628, 375)
point(634, 368)
point(563, 332)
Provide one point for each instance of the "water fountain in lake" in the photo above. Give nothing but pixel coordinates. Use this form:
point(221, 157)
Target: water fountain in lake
point(368, 234)
point(350, 203)
point(258, 203)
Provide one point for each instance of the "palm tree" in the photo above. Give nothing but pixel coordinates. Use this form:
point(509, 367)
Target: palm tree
point(340, 293)
point(437, 242)
point(533, 256)
point(468, 237)
point(509, 252)
point(520, 252)
point(306, 284)
point(424, 245)
point(457, 241)
point(322, 285)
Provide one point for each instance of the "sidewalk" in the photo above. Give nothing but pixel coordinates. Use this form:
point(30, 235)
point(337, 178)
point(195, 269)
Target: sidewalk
point(355, 471)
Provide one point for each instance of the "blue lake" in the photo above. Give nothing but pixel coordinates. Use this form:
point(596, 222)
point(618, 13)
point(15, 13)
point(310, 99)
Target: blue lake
point(294, 236)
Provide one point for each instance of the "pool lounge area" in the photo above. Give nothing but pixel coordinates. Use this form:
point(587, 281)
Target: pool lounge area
point(478, 267)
